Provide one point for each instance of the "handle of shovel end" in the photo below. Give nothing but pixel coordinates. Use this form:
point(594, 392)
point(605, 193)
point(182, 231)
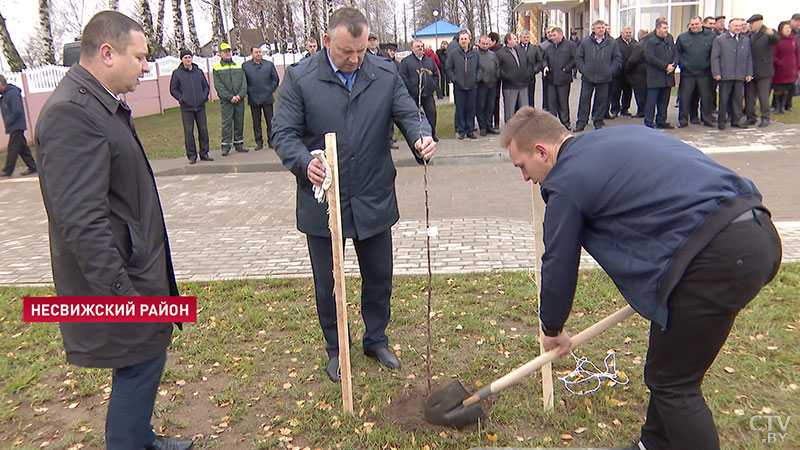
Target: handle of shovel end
point(535, 364)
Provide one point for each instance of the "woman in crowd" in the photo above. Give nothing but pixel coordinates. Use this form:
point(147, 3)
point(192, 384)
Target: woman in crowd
point(787, 62)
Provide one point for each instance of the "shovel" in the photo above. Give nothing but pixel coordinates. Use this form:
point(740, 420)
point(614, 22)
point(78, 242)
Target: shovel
point(455, 407)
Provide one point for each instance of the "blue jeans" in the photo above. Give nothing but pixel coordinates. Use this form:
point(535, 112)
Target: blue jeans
point(464, 118)
point(130, 407)
point(656, 97)
point(486, 96)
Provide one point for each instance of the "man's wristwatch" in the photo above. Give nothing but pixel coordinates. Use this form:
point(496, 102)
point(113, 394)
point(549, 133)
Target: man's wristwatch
point(551, 332)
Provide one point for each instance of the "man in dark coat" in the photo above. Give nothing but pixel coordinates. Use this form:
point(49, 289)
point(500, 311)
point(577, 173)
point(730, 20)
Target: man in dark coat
point(417, 65)
point(661, 61)
point(15, 126)
point(559, 60)
point(338, 91)
point(515, 73)
point(262, 80)
point(107, 233)
point(535, 64)
point(687, 242)
point(487, 86)
point(636, 71)
point(762, 40)
point(732, 67)
point(621, 90)
point(464, 70)
point(189, 87)
point(547, 41)
point(693, 51)
point(598, 59)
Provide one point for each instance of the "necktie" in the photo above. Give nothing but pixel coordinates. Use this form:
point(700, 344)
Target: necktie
point(349, 79)
point(514, 52)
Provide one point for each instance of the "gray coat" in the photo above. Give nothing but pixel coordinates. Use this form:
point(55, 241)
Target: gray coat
point(313, 101)
point(262, 80)
point(731, 59)
point(598, 62)
point(464, 69)
point(107, 232)
point(491, 69)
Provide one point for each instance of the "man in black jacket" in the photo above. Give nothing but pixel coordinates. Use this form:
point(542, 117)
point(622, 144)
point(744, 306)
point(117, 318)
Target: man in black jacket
point(660, 56)
point(636, 71)
point(262, 80)
point(515, 73)
point(598, 58)
point(693, 50)
point(559, 60)
point(621, 90)
point(107, 232)
point(417, 65)
point(762, 39)
point(535, 64)
point(189, 87)
point(15, 126)
point(487, 86)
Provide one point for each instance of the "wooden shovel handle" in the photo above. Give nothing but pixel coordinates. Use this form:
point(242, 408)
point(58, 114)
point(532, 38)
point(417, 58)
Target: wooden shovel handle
point(535, 364)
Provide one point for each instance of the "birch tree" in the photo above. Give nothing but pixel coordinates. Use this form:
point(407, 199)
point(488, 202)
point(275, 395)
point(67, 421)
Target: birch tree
point(192, 28)
point(46, 31)
point(177, 22)
point(159, 38)
point(9, 50)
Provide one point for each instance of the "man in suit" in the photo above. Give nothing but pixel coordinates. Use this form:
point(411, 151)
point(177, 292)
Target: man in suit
point(535, 64)
point(337, 91)
point(621, 90)
point(417, 65)
point(559, 60)
point(732, 67)
point(107, 233)
point(262, 81)
point(598, 59)
point(515, 73)
point(189, 87)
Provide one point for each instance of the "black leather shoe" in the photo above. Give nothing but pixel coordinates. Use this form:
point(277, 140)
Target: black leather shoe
point(750, 122)
point(333, 369)
point(624, 113)
point(493, 131)
point(764, 122)
point(580, 128)
point(721, 126)
point(471, 136)
point(664, 126)
point(483, 132)
point(4, 174)
point(170, 443)
point(206, 158)
point(639, 116)
point(192, 161)
point(695, 121)
point(736, 125)
point(385, 357)
point(258, 147)
point(225, 151)
point(242, 150)
point(683, 125)
point(28, 172)
point(708, 124)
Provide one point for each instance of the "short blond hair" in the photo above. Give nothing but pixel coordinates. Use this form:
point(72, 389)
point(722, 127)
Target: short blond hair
point(530, 125)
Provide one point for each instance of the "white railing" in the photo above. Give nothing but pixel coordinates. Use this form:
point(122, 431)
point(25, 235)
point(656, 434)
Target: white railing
point(44, 78)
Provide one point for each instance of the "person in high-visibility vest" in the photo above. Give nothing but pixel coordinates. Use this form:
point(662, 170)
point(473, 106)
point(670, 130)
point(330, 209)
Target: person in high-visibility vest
point(231, 85)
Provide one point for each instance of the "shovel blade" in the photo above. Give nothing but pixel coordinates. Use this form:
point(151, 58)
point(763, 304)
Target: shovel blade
point(444, 407)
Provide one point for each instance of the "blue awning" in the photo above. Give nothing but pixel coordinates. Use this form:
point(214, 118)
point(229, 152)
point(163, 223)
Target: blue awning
point(439, 28)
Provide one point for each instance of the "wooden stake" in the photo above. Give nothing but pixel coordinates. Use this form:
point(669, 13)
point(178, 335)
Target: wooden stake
point(337, 243)
point(538, 232)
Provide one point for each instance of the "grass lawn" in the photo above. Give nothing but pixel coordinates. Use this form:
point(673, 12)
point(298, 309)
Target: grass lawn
point(249, 374)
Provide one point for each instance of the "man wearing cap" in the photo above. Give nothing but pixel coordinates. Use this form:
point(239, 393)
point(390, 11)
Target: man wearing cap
point(262, 81)
point(231, 84)
point(340, 90)
point(719, 25)
point(762, 39)
point(372, 46)
point(391, 53)
point(189, 87)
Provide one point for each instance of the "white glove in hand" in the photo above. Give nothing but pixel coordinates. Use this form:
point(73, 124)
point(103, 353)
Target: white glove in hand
point(320, 192)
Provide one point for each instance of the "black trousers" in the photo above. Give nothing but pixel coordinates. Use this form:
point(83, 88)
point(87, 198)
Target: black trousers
point(429, 106)
point(256, 110)
point(189, 118)
point(375, 262)
point(130, 406)
point(485, 105)
point(496, 113)
point(731, 93)
point(545, 93)
point(532, 92)
point(18, 146)
point(444, 87)
point(558, 95)
point(600, 107)
point(640, 94)
point(621, 93)
point(718, 283)
point(757, 88)
point(688, 88)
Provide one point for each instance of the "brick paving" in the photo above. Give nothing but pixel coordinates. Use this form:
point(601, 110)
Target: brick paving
point(235, 217)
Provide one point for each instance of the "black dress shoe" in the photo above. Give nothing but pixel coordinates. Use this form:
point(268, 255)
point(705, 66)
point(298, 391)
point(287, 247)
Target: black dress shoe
point(483, 132)
point(4, 174)
point(721, 126)
point(665, 126)
point(764, 122)
point(258, 147)
point(639, 116)
point(580, 128)
point(624, 113)
point(28, 172)
point(695, 121)
point(192, 161)
point(750, 122)
point(225, 151)
point(736, 125)
point(493, 131)
point(333, 369)
point(471, 136)
point(242, 150)
point(170, 443)
point(206, 158)
point(683, 125)
point(384, 356)
point(708, 124)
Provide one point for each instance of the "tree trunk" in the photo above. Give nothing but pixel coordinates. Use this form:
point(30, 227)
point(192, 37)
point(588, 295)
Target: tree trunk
point(159, 38)
point(218, 31)
point(9, 50)
point(314, 14)
point(113, 5)
point(177, 22)
point(47, 34)
point(237, 30)
point(290, 36)
point(147, 24)
point(192, 28)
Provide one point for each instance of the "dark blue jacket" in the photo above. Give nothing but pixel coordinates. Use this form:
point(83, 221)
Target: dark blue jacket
point(598, 62)
point(636, 200)
point(189, 87)
point(659, 53)
point(409, 68)
point(13, 111)
point(313, 101)
point(464, 69)
point(262, 80)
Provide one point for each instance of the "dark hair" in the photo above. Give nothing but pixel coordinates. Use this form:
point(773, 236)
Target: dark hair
point(110, 27)
point(780, 25)
point(660, 22)
point(494, 36)
point(719, 17)
point(709, 17)
point(507, 38)
point(350, 18)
